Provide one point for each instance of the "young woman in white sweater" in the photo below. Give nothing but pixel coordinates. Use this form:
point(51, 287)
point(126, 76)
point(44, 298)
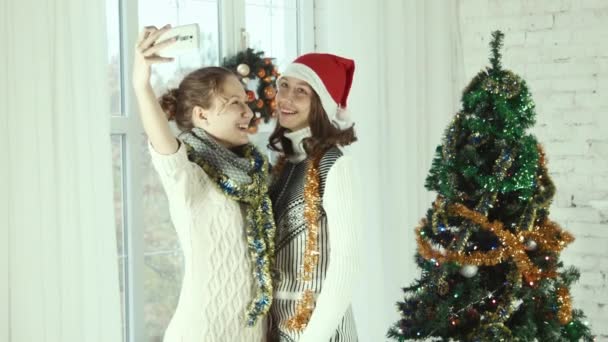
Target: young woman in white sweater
point(216, 183)
point(318, 232)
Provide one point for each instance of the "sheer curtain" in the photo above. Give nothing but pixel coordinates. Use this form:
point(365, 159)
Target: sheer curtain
point(58, 268)
point(424, 80)
point(406, 88)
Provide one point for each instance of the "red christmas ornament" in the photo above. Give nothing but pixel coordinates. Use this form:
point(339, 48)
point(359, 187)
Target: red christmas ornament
point(250, 96)
point(273, 105)
point(261, 73)
point(473, 315)
point(259, 103)
point(269, 92)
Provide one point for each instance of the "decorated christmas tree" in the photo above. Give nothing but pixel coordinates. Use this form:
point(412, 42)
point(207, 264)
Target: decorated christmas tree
point(488, 251)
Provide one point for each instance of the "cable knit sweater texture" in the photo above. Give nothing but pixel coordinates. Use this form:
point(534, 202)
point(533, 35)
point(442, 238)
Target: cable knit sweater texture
point(217, 284)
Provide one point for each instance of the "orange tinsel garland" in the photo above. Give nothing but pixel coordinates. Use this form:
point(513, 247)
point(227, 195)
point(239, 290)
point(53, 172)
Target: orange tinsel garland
point(312, 200)
point(549, 237)
point(565, 310)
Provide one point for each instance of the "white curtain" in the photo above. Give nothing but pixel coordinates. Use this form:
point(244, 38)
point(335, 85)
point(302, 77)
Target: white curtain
point(58, 268)
point(424, 78)
point(406, 88)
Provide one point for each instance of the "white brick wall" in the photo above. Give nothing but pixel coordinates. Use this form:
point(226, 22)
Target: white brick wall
point(560, 47)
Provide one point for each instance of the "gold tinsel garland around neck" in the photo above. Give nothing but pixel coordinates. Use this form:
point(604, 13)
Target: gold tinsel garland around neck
point(312, 204)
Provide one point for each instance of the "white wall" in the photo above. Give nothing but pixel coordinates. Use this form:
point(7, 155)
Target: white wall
point(4, 200)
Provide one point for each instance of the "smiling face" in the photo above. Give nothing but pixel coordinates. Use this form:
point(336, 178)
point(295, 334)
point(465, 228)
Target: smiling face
point(293, 103)
point(228, 118)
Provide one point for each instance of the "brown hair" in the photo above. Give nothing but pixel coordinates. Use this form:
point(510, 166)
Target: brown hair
point(198, 88)
point(324, 134)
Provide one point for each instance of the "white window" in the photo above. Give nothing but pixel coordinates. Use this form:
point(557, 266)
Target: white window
point(150, 258)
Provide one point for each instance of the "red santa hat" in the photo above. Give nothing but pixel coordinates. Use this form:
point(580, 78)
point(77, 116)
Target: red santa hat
point(330, 76)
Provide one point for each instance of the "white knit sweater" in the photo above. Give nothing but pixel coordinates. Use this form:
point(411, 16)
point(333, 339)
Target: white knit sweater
point(217, 284)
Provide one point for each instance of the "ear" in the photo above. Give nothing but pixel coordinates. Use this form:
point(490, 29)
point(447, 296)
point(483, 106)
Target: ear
point(199, 117)
point(199, 113)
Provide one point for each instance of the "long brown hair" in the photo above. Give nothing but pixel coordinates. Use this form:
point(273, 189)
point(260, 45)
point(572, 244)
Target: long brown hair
point(324, 134)
point(198, 88)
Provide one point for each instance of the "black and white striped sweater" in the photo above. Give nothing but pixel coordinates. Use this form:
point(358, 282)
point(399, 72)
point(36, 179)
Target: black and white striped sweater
point(333, 278)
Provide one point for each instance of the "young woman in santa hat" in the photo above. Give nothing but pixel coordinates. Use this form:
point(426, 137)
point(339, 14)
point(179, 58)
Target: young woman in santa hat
point(317, 254)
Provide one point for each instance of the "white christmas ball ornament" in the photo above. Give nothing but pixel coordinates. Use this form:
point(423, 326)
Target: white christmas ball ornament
point(243, 69)
point(469, 271)
point(531, 245)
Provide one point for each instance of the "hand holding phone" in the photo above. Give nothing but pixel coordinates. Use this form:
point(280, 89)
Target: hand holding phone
point(187, 40)
point(161, 46)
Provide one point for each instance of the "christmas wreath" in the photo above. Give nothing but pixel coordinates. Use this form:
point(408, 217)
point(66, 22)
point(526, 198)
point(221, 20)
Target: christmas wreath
point(252, 67)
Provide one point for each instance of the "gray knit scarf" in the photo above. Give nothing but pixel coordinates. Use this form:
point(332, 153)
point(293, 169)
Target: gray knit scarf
point(203, 146)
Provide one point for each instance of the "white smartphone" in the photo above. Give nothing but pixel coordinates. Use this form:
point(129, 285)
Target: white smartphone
point(187, 40)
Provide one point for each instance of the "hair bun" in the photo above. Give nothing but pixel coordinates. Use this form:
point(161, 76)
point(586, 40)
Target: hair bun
point(168, 102)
